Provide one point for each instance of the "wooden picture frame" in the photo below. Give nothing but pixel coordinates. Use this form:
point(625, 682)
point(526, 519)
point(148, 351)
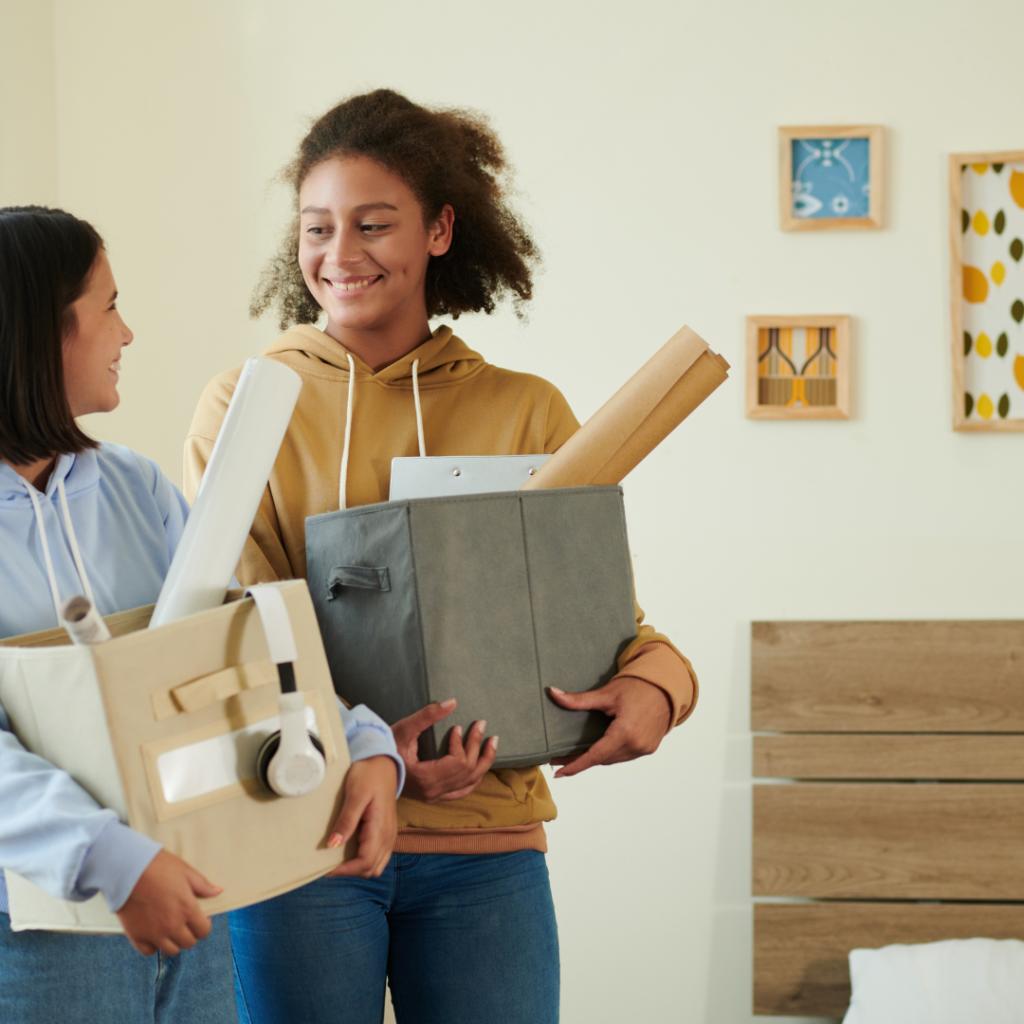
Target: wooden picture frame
point(813, 384)
point(986, 232)
point(827, 212)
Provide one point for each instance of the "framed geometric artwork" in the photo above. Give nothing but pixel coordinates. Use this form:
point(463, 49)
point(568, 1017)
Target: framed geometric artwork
point(986, 211)
point(798, 367)
point(830, 177)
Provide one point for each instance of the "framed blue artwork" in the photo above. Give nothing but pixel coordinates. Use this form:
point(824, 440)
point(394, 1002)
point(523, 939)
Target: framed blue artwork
point(830, 177)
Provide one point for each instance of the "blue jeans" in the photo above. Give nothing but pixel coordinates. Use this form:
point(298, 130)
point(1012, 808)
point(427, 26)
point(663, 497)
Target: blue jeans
point(51, 977)
point(460, 937)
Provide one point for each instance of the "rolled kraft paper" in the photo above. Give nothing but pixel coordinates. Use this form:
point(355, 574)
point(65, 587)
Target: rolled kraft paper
point(708, 373)
point(586, 453)
point(645, 410)
point(230, 492)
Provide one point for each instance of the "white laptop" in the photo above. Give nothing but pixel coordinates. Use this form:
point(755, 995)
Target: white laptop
point(448, 476)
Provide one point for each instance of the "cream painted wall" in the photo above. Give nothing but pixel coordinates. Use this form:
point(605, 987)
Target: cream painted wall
point(644, 136)
point(28, 111)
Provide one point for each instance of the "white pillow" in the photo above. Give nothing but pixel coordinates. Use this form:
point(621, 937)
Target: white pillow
point(959, 981)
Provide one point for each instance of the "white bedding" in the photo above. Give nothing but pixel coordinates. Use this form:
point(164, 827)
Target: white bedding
point(958, 981)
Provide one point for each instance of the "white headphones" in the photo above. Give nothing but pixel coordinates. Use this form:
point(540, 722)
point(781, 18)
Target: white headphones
point(291, 760)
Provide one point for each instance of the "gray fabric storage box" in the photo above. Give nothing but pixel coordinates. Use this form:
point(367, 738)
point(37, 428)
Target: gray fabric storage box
point(488, 598)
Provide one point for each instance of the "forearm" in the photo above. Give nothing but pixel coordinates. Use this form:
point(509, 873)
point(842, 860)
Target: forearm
point(660, 664)
point(368, 735)
point(53, 833)
point(653, 658)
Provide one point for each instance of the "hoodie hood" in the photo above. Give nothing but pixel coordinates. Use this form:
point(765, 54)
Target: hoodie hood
point(443, 359)
point(80, 473)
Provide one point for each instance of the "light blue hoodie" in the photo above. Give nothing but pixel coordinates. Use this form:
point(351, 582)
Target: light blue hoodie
point(128, 518)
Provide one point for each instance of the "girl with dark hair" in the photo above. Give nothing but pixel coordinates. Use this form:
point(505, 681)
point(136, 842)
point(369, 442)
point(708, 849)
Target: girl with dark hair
point(402, 215)
point(80, 516)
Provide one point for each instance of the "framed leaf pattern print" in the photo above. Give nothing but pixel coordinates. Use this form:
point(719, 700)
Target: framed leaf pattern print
point(987, 289)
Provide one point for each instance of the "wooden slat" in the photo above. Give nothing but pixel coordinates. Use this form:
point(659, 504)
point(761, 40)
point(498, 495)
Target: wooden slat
point(887, 676)
point(800, 950)
point(889, 841)
point(867, 756)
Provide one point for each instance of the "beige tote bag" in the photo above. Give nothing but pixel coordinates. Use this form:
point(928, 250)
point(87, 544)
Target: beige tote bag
point(163, 726)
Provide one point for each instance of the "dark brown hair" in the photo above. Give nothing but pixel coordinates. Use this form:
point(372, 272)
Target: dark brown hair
point(46, 257)
point(444, 157)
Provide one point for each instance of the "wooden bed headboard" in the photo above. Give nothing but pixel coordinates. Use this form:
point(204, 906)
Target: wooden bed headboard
point(912, 829)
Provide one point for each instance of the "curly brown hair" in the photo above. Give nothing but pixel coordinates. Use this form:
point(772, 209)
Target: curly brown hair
point(445, 157)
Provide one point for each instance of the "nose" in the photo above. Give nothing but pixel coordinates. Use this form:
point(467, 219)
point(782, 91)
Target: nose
point(127, 337)
point(348, 247)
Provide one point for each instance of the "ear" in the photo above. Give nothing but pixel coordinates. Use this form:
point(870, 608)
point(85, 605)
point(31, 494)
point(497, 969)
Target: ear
point(439, 234)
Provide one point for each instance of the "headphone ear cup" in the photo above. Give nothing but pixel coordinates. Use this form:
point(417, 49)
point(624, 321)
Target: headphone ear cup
point(268, 748)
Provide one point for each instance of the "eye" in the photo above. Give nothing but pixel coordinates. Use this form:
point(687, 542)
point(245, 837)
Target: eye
point(314, 229)
point(374, 228)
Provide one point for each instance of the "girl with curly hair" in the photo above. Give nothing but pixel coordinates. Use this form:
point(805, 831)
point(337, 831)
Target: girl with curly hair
point(402, 216)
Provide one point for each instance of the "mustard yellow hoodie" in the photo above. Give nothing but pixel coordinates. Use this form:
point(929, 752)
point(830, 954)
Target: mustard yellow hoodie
point(469, 408)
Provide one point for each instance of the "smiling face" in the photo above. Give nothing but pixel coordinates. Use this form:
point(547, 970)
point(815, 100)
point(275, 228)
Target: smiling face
point(92, 349)
point(364, 249)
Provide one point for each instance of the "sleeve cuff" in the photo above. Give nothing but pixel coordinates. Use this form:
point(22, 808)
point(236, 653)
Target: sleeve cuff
point(114, 863)
point(368, 735)
point(661, 665)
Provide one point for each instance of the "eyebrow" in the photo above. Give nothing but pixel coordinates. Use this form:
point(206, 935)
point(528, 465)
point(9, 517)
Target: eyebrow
point(358, 209)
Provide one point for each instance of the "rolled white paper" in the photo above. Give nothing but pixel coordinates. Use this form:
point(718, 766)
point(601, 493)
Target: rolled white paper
point(230, 492)
point(84, 624)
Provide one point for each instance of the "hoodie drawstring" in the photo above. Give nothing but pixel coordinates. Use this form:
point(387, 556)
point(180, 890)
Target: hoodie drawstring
point(73, 540)
point(348, 430)
point(55, 593)
point(419, 410)
point(76, 554)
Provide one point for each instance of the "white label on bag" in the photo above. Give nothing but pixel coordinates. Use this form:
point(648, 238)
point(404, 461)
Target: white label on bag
point(204, 767)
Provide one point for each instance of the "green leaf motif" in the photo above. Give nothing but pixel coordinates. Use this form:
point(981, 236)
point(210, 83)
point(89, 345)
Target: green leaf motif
point(1004, 406)
point(1000, 222)
point(967, 343)
point(1017, 249)
point(997, 168)
point(1002, 344)
point(1017, 311)
point(968, 404)
point(965, 220)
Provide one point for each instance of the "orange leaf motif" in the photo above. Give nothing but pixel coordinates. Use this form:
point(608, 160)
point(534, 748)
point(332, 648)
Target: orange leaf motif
point(1018, 371)
point(1017, 188)
point(975, 284)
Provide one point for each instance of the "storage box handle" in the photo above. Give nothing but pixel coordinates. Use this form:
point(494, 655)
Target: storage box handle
point(362, 577)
